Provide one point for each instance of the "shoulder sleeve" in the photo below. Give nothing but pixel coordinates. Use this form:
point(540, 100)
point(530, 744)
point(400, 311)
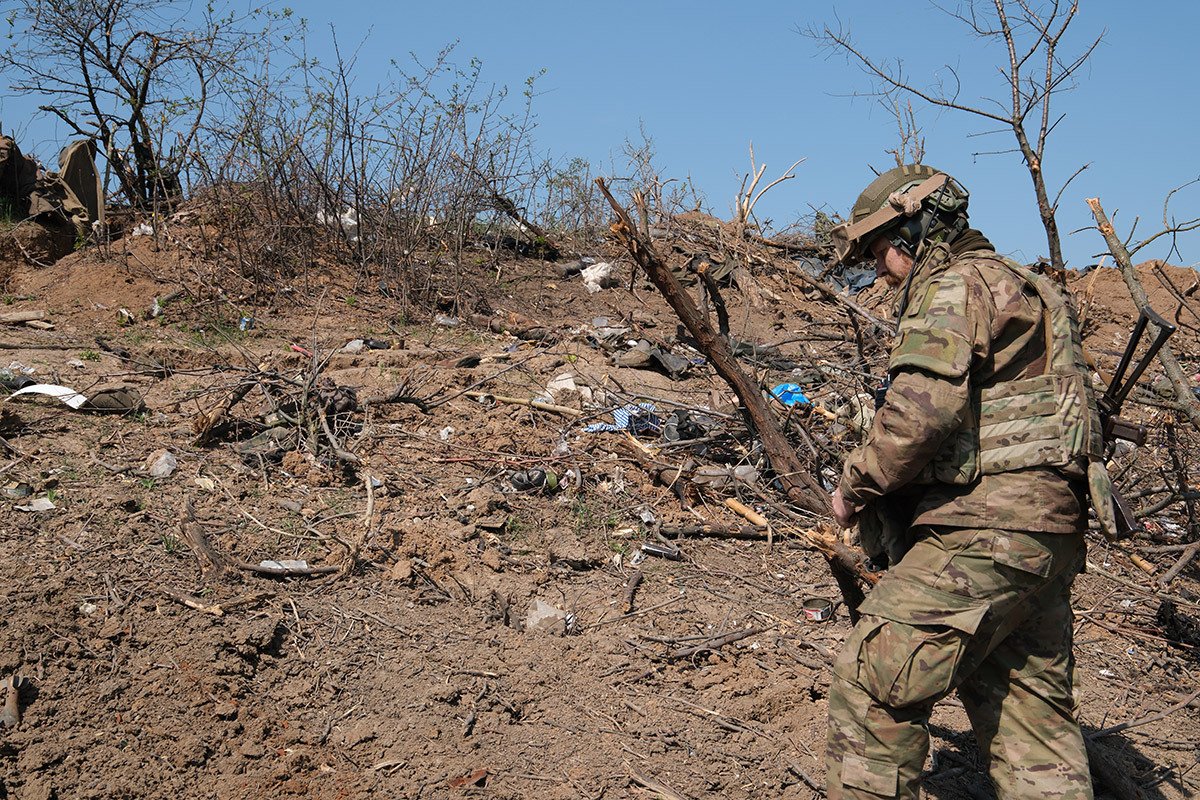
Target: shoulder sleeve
point(936, 334)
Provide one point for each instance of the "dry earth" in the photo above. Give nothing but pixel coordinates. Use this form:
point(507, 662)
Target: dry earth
point(411, 676)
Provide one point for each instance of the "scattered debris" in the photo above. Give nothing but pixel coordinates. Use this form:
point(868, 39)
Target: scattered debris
point(599, 276)
point(543, 617)
point(644, 355)
point(160, 464)
point(662, 550)
point(817, 609)
point(716, 476)
point(17, 490)
point(477, 778)
point(563, 388)
point(10, 715)
point(19, 317)
point(637, 418)
point(13, 380)
point(1176, 626)
point(790, 394)
point(38, 505)
point(535, 479)
point(285, 567)
point(115, 400)
point(346, 222)
point(68, 396)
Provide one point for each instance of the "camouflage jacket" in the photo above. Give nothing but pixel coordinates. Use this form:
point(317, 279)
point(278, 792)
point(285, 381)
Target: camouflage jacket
point(970, 321)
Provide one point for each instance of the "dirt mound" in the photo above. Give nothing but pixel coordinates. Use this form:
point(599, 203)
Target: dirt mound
point(32, 243)
point(271, 616)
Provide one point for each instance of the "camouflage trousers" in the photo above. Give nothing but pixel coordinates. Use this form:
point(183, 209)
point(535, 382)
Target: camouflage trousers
point(983, 612)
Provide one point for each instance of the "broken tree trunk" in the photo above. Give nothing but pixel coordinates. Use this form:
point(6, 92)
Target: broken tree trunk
point(802, 487)
point(1166, 356)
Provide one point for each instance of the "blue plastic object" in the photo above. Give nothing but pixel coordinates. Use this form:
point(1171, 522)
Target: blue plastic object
point(790, 394)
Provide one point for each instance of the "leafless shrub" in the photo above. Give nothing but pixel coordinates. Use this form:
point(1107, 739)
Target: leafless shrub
point(396, 183)
point(138, 76)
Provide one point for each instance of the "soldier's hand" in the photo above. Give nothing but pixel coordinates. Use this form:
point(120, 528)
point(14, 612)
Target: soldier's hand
point(844, 513)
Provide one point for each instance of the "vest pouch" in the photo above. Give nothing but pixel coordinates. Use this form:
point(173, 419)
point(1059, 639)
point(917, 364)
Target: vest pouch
point(1100, 491)
point(1026, 423)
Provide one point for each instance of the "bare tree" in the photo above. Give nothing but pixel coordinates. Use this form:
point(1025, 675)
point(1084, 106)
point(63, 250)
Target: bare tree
point(910, 147)
point(138, 76)
point(1031, 35)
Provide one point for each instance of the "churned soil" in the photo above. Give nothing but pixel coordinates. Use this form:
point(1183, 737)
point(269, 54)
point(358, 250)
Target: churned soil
point(152, 673)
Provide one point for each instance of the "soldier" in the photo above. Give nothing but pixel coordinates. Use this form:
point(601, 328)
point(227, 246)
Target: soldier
point(973, 482)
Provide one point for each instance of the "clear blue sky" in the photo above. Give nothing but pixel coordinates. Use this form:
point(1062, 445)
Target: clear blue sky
point(706, 79)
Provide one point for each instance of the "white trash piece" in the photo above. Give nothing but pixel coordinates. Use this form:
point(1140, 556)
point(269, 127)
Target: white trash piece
point(542, 617)
point(598, 276)
point(66, 394)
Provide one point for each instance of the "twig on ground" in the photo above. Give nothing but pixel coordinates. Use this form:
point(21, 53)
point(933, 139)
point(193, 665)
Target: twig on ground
point(193, 534)
point(353, 551)
point(631, 587)
point(714, 644)
point(538, 404)
point(661, 789)
point(633, 614)
point(1124, 726)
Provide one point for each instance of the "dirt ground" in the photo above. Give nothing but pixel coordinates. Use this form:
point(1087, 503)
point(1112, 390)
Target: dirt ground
point(152, 673)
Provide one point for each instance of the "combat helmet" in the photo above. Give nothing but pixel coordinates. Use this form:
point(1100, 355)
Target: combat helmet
point(907, 204)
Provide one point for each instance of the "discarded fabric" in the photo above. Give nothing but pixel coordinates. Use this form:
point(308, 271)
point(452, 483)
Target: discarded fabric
point(683, 425)
point(638, 418)
point(716, 476)
point(598, 276)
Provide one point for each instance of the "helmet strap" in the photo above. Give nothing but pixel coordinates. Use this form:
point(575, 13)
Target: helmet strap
point(930, 255)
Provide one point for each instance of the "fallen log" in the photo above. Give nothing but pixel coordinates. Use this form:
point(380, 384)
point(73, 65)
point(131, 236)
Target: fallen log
point(801, 486)
point(18, 317)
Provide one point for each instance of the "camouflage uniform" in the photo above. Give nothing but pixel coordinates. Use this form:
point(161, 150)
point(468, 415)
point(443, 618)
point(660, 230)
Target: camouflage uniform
point(981, 602)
